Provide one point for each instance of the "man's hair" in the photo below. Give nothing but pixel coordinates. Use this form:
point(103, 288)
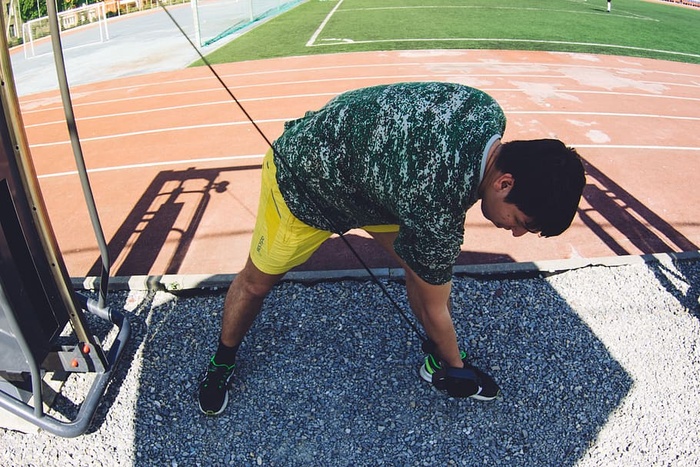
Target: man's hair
point(549, 179)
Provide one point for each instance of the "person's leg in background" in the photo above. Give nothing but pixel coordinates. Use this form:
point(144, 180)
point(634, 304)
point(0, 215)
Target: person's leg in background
point(280, 242)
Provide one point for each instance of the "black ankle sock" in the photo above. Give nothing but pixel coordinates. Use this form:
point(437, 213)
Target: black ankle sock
point(225, 355)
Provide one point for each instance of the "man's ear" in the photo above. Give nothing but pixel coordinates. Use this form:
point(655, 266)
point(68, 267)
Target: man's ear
point(504, 183)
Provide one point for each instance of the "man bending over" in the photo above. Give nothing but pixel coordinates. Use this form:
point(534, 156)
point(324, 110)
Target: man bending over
point(404, 162)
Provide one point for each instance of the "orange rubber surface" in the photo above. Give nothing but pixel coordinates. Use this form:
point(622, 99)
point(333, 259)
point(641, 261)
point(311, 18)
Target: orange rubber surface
point(174, 164)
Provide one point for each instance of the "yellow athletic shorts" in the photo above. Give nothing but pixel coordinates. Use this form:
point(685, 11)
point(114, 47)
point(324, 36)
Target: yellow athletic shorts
point(384, 228)
point(280, 240)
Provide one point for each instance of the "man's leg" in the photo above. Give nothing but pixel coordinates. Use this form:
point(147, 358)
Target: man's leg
point(243, 302)
point(242, 305)
point(280, 242)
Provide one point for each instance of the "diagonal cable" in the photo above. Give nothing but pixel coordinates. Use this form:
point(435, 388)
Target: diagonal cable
point(299, 185)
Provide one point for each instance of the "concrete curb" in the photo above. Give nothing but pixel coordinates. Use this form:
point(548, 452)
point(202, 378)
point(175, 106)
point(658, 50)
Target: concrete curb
point(180, 282)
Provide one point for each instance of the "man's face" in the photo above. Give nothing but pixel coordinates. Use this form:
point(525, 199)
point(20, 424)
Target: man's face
point(507, 216)
point(502, 214)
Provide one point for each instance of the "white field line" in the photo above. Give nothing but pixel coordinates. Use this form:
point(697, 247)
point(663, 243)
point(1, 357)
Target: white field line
point(475, 7)
point(323, 25)
point(532, 41)
point(312, 41)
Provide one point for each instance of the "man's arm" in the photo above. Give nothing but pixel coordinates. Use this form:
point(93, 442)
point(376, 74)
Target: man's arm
point(431, 305)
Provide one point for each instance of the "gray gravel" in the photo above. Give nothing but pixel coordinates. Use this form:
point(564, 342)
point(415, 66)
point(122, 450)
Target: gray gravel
point(599, 366)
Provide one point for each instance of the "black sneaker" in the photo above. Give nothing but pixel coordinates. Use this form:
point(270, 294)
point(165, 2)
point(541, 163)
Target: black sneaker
point(487, 389)
point(213, 390)
point(431, 365)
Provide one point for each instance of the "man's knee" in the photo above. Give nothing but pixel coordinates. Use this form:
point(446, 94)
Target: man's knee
point(254, 283)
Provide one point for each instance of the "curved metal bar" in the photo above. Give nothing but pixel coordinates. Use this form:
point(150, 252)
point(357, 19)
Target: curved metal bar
point(77, 149)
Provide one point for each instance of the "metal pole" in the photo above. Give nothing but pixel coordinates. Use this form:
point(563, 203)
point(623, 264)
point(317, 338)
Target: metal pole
point(195, 17)
point(77, 149)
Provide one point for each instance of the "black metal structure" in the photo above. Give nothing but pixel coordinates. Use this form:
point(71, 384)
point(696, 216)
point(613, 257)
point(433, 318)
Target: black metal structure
point(42, 318)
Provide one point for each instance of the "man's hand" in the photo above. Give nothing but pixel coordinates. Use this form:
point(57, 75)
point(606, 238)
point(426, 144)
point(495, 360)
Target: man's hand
point(466, 382)
point(458, 382)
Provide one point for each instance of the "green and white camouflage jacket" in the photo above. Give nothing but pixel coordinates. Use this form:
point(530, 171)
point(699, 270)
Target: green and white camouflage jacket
point(408, 154)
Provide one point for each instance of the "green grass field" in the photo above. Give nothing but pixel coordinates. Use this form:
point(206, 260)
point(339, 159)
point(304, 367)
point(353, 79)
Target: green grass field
point(637, 28)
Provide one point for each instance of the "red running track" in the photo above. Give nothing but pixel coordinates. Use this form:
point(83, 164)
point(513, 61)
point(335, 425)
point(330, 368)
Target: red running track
point(175, 165)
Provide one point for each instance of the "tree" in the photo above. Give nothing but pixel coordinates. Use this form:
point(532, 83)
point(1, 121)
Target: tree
point(32, 9)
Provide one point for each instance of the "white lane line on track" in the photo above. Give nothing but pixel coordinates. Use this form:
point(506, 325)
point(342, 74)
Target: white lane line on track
point(331, 94)
point(29, 103)
point(157, 130)
point(602, 114)
point(260, 156)
point(154, 164)
point(635, 146)
point(285, 119)
point(183, 107)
